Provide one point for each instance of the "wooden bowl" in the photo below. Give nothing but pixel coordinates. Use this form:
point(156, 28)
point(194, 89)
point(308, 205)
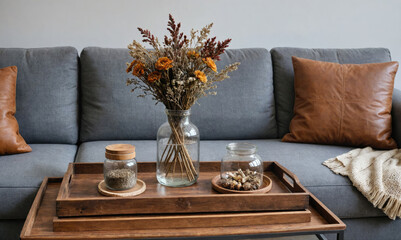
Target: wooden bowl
point(266, 186)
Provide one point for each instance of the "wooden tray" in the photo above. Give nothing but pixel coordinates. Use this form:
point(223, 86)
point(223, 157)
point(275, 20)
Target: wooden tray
point(135, 222)
point(39, 223)
point(78, 194)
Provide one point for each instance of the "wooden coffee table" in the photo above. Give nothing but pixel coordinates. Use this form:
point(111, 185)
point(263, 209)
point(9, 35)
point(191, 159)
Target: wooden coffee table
point(42, 216)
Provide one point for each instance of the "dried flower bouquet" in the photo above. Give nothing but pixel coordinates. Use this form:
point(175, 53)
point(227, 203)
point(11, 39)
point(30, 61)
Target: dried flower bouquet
point(177, 72)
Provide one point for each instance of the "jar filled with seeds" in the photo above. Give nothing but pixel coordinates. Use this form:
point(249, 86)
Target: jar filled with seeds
point(241, 168)
point(120, 167)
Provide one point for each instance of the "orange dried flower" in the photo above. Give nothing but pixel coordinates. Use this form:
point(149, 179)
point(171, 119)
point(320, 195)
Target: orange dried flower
point(164, 63)
point(154, 76)
point(201, 76)
point(192, 54)
point(210, 63)
point(129, 68)
point(139, 69)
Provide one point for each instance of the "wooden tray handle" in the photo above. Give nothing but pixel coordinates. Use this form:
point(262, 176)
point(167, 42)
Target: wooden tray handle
point(289, 179)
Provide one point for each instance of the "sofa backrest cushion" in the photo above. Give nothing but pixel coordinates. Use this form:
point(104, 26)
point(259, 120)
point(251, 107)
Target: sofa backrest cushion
point(47, 92)
point(242, 109)
point(284, 73)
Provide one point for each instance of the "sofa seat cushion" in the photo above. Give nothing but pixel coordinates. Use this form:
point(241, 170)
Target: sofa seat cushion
point(145, 150)
point(305, 160)
point(22, 174)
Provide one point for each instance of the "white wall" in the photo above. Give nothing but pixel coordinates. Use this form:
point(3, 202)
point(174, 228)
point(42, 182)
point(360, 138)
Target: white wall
point(251, 23)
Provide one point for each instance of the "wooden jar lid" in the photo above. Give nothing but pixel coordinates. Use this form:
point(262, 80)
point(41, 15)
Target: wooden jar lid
point(120, 152)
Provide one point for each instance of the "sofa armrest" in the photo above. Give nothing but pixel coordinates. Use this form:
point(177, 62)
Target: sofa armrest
point(396, 116)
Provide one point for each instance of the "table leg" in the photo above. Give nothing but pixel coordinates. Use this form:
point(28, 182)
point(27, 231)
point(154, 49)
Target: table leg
point(340, 235)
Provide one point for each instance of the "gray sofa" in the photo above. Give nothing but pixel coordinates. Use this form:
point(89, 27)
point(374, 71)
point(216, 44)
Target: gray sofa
point(69, 107)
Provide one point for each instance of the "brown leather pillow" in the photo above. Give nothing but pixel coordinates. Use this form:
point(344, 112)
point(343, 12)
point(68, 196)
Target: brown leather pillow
point(10, 140)
point(342, 104)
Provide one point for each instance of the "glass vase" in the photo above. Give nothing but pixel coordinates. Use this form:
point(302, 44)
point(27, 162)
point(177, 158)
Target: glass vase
point(177, 150)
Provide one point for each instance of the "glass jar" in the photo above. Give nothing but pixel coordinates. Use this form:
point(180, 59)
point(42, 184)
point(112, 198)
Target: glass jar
point(120, 167)
point(241, 167)
point(177, 150)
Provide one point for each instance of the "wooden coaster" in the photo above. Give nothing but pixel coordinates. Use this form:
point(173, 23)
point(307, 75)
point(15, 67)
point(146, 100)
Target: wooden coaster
point(266, 186)
point(139, 188)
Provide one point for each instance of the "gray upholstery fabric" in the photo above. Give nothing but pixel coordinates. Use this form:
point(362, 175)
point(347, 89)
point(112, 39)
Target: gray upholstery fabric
point(396, 116)
point(47, 92)
point(94, 151)
point(243, 108)
point(284, 74)
point(22, 174)
point(303, 159)
point(11, 229)
point(244, 105)
point(379, 228)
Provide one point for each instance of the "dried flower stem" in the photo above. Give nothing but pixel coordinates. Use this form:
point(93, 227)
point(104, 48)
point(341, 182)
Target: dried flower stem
point(177, 152)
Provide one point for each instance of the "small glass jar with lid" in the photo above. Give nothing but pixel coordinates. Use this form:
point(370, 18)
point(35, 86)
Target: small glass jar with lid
point(241, 168)
point(120, 167)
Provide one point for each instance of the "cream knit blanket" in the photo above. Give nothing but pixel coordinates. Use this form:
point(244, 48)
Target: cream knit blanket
point(376, 174)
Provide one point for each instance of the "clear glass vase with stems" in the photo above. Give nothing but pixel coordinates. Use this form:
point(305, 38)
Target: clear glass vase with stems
point(177, 150)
